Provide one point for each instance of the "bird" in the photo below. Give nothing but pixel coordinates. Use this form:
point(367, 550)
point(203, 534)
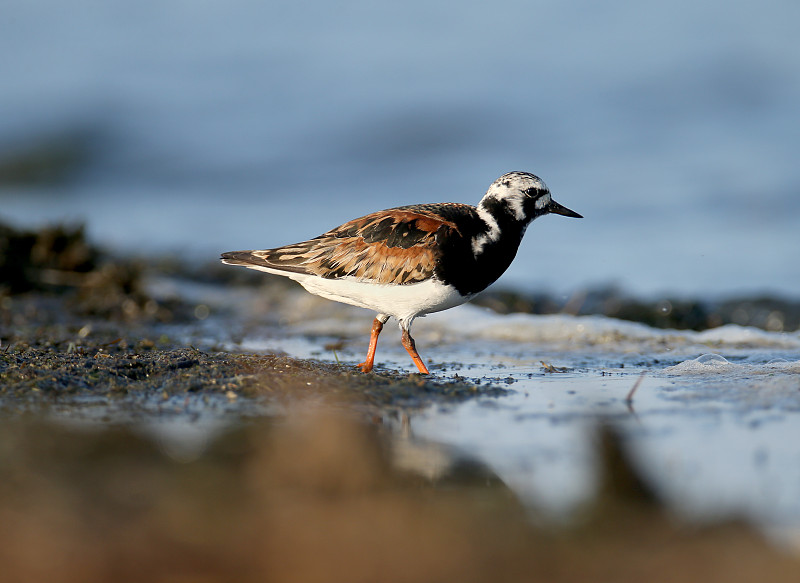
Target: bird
point(410, 261)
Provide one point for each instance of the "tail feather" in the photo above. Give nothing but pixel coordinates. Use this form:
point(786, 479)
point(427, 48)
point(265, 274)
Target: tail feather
point(258, 260)
point(245, 258)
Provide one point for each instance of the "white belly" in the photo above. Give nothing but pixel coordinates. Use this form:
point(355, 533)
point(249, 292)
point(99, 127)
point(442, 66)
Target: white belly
point(403, 302)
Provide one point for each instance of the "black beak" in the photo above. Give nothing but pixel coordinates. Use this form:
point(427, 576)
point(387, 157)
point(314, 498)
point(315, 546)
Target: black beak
point(558, 209)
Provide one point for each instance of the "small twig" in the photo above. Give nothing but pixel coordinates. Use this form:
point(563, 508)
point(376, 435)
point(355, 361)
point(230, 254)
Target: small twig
point(629, 398)
point(333, 347)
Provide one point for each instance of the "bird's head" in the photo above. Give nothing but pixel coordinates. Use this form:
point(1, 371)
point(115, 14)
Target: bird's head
point(524, 196)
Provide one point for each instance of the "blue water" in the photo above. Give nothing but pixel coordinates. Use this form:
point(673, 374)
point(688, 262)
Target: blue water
point(674, 128)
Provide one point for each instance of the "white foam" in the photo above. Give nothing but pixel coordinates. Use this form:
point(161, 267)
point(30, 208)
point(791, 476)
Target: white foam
point(714, 364)
point(735, 334)
point(475, 322)
point(703, 365)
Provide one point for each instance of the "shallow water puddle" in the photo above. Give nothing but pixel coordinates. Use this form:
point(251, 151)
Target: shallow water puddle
point(707, 455)
point(714, 421)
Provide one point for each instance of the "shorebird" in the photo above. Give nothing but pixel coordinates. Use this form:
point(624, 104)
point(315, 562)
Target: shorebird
point(414, 260)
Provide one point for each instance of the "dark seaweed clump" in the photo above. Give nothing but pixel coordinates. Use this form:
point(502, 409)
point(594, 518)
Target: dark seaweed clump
point(59, 261)
point(53, 258)
point(768, 313)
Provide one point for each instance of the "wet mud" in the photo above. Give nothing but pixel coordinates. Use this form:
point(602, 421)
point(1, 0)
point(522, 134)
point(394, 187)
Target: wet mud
point(313, 478)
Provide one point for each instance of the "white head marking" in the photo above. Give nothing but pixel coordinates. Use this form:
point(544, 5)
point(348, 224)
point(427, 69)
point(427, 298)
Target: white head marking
point(515, 204)
point(515, 188)
point(509, 195)
point(543, 201)
point(490, 236)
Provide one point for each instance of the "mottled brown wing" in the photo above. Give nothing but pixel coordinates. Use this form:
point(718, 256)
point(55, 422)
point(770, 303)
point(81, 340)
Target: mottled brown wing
point(397, 246)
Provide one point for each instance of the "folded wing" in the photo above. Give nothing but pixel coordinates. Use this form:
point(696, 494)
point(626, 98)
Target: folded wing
point(397, 246)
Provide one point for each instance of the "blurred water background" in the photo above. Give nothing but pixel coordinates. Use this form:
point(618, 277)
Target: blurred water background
point(195, 127)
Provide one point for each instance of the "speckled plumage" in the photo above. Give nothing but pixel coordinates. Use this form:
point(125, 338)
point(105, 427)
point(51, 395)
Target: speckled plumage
point(410, 261)
point(396, 246)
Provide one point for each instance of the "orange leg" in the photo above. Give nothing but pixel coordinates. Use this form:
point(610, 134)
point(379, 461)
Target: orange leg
point(408, 343)
point(377, 326)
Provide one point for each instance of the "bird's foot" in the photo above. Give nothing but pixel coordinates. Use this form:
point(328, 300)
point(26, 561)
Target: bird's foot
point(411, 348)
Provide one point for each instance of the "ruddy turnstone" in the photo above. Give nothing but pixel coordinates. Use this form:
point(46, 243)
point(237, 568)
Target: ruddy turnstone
point(413, 260)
